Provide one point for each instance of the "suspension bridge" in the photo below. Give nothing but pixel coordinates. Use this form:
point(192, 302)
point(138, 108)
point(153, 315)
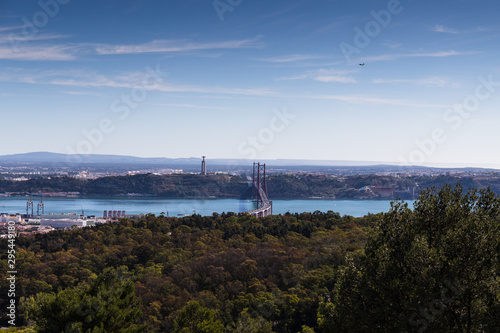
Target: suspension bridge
point(259, 192)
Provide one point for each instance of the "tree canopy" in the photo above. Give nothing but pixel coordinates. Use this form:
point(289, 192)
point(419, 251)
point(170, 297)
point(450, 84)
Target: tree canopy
point(433, 269)
point(108, 304)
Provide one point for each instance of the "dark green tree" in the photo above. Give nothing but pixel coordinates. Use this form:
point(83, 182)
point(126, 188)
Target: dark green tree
point(433, 269)
point(194, 318)
point(248, 324)
point(108, 304)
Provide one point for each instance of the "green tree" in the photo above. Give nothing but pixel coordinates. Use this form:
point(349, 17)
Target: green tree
point(194, 318)
point(433, 269)
point(307, 329)
point(108, 304)
point(248, 324)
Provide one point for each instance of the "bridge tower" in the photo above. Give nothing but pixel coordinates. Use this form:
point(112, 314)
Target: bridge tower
point(259, 192)
point(259, 183)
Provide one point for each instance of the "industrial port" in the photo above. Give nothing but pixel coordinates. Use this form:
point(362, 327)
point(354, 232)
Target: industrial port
point(31, 223)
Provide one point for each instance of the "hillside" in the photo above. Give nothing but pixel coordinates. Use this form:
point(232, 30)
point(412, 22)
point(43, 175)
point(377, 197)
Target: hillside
point(170, 186)
point(280, 186)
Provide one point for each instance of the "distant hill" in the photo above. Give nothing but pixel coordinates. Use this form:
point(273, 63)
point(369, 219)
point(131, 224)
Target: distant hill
point(71, 160)
point(47, 157)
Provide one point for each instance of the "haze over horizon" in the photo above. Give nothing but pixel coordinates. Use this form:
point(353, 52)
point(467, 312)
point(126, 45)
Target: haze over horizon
point(229, 162)
point(253, 80)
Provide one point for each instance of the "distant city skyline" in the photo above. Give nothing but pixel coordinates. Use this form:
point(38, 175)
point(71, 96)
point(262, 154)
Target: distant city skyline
point(253, 79)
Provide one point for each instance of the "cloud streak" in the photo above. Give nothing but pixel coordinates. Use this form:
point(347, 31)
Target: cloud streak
point(395, 56)
point(291, 58)
point(324, 75)
point(431, 81)
point(167, 46)
point(83, 79)
point(443, 29)
point(3, 29)
point(39, 52)
point(36, 48)
point(193, 106)
point(363, 99)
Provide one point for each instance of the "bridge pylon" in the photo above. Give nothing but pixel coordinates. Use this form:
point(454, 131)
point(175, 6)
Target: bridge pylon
point(259, 192)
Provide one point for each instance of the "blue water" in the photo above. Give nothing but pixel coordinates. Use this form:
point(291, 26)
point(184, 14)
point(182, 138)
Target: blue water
point(174, 207)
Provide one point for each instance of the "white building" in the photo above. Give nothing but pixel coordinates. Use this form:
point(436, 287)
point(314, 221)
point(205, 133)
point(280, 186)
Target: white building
point(63, 223)
point(6, 218)
point(69, 220)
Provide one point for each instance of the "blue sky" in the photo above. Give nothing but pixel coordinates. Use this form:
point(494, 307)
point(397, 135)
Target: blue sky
point(253, 79)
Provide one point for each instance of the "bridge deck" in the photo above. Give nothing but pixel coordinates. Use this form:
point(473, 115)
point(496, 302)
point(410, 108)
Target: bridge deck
point(265, 210)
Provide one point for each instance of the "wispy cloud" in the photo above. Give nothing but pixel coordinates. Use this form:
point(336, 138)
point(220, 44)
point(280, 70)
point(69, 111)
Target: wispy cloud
point(324, 75)
point(292, 58)
point(334, 25)
point(392, 44)
point(88, 79)
point(29, 48)
point(84, 93)
point(14, 39)
point(444, 29)
point(206, 55)
point(360, 99)
point(34, 48)
point(166, 46)
point(11, 28)
point(440, 54)
point(431, 81)
point(448, 30)
point(7, 95)
point(38, 52)
point(482, 29)
point(363, 99)
point(85, 79)
point(193, 106)
point(335, 78)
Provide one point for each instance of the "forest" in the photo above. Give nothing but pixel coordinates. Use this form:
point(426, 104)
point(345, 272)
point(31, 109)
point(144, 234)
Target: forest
point(168, 186)
point(432, 268)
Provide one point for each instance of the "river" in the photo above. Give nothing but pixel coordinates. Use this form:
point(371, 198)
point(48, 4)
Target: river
point(179, 207)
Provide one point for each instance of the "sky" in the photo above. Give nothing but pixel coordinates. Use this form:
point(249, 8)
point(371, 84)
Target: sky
point(409, 82)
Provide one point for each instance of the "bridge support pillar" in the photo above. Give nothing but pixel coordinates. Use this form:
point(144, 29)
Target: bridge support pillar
point(264, 206)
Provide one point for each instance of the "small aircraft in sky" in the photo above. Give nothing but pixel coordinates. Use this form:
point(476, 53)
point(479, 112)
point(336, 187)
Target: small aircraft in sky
point(362, 64)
